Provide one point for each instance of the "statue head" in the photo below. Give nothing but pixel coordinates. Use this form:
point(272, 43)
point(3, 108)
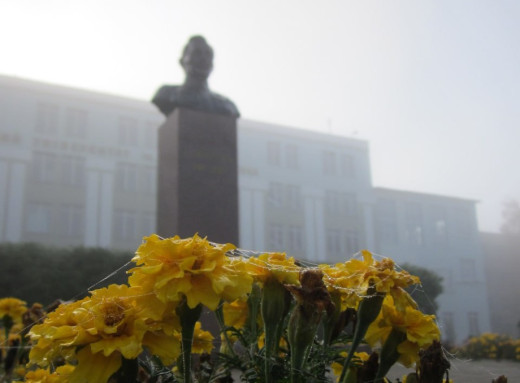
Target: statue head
point(197, 58)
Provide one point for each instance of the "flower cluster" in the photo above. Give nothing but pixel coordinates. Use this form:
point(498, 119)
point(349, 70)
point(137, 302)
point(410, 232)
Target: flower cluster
point(491, 346)
point(268, 308)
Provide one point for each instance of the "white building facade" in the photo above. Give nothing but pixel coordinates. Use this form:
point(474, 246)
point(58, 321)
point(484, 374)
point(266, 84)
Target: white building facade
point(79, 168)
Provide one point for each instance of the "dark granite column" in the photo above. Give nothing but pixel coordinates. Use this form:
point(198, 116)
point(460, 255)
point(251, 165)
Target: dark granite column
point(198, 176)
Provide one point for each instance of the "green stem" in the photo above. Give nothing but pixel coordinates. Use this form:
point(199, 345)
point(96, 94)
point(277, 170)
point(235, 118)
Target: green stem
point(253, 304)
point(302, 328)
point(188, 317)
point(273, 308)
point(389, 353)
point(220, 319)
point(368, 310)
point(127, 373)
point(331, 321)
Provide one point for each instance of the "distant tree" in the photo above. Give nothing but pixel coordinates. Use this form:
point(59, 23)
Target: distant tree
point(510, 218)
point(37, 273)
point(426, 295)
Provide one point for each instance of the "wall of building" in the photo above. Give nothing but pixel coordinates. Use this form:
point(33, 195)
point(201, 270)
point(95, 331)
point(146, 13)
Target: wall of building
point(440, 234)
point(502, 256)
point(79, 168)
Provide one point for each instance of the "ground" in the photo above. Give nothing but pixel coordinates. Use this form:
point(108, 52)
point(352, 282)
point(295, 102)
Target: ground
point(481, 371)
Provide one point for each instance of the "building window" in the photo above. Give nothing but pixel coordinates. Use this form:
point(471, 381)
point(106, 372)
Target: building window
point(461, 222)
point(331, 202)
point(72, 220)
point(351, 242)
point(126, 177)
point(468, 271)
point(386, 222)
point(329, 163)
point(38, 218)
point(274, 155)
point(414, 234)
point(125, 224)
point(45, 167)
point(413, 223)
point(276, 194)
point(348, 204)
point(291, 156)
point(295, 236)
point(275, 240)
point(293, 197)
point(73, 170)
point(388, 232)
point(47, 116)
point(333, 244)
point(337, 203)
point(150, 135)
point(147, 224)
point(149, 179)
point(448, 327)
point(76, 123)
point(347, 166)
point(473, 324)
point(128, 131)
point(438, 213)
point(440, 229)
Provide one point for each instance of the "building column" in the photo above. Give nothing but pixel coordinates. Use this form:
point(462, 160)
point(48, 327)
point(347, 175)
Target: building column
point(16, 184)
point(251, 210)
point(106, 208)
point(246, 218)
point(4, 202)
point(368, 219)
point(259, 220)
point(99, 204)
point(314, 228)
point(12, 176)
point(92, 204)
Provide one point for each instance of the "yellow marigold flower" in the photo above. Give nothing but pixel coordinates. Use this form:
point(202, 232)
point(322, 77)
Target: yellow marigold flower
point(381, 273)
point(235, 313)
point(202, 340)
point(281, 345)
point(275, 265)
point(19, 372)
point(353, 277)
point(420, 330)
point(358, 359)
point(12, 307)
point(339, 280)
point(174, 268)
point(114, 322)
point(61, 375)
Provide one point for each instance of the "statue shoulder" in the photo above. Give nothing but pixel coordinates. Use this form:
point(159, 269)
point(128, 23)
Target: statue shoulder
point(225, 105)
point(166, 91)
point(165, 98)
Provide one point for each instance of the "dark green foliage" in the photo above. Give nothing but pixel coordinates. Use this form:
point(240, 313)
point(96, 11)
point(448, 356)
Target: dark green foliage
point(37, 273)
point(431, 288)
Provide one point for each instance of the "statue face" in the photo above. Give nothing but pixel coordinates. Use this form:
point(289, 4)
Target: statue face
point(197, 60)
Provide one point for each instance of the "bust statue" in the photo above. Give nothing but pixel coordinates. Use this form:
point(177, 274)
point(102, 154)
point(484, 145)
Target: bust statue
point(197, 62)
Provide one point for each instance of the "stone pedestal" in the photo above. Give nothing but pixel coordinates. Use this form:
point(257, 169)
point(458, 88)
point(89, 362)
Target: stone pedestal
point(198, 176)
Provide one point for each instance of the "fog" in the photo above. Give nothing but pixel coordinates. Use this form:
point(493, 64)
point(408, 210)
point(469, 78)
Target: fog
point(429, 89)
point(432, 86)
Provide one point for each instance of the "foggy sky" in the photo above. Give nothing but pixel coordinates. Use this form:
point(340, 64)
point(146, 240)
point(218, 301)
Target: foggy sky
point(432, 85)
